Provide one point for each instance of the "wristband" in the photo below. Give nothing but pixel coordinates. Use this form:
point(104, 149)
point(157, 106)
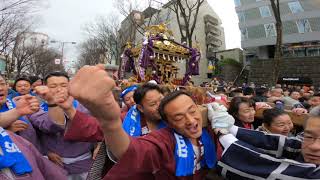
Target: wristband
point(222, 132)
point(52, 105)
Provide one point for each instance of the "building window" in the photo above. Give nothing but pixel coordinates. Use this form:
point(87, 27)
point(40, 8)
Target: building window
point(287, 53)
point(265, 11)
point(270, 30)
point(313, 52)
point(295, 7)
point(299, 52)
point(303, 26)
point(244, 33)
point(43, 42)
point(237, 3)
point(242, 17)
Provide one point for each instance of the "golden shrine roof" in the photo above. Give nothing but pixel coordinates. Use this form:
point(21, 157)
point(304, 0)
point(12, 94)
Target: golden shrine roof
point(167, 46)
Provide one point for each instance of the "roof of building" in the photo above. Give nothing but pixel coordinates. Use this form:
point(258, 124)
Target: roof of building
point(230, 50)
point(149, 11)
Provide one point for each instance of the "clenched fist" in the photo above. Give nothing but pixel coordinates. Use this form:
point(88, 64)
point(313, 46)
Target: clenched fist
point(44, 93)
point(26, 104)
point(18, 126)
point(93, 88)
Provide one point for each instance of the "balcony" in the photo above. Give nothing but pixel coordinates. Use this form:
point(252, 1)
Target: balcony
point(211, 19)
point(209, 28)
point(213, 41)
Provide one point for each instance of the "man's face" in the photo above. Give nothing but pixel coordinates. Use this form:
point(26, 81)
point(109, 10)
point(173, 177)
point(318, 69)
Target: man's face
point(3, 90)
point(57, 84)
point(23, 87)
point(150, 104)
point(286, 93)
point(278, 85)
point(311, 141)
point(277, 93)
point(128, 99)
point(184, 116)
point(306, 95)
point(267, 94)
point(314, 101)
point(311, 92)
point(295, 95)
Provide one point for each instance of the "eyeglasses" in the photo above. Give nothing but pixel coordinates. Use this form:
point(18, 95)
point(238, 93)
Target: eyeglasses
point(307, 139)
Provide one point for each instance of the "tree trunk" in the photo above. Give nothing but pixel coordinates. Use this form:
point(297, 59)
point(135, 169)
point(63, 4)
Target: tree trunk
point(278, 54)
point(278, 49)
point(190, 41)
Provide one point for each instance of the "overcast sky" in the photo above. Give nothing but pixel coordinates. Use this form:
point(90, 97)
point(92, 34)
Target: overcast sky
point(63, 20)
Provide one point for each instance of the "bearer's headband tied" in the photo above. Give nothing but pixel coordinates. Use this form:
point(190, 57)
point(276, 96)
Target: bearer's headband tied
point(127, 90)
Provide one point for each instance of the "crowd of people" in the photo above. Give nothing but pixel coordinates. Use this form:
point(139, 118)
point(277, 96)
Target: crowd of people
point(93, 127)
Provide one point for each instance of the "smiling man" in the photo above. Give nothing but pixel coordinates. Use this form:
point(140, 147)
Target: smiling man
point(74, 156)
point(311, 141)
point(22, 85)
point(127, 98)
point(268, 156)
point(182, 150)
point(144, 117)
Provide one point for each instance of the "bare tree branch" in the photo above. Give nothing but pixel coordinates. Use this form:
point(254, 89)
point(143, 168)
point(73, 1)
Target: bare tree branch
point(188, 11)
point(102, 44)
point(16, 19)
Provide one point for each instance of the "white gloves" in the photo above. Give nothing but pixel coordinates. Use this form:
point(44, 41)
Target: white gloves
point(219, 117)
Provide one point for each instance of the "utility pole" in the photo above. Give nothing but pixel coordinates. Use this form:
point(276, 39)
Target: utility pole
point(62, 46)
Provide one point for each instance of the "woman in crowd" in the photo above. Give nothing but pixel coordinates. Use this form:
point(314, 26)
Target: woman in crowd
point(276, 121)
point(243, 111)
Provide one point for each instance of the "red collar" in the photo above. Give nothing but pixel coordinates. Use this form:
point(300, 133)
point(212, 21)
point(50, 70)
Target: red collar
point(247, 125)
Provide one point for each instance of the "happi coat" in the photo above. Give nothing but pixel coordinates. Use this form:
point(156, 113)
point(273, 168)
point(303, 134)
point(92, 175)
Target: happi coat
point(42, 168)
point(253, 154)
point(147, 157)
point(77, 156)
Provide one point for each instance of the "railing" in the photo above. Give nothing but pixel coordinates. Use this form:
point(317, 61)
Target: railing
point(209, 28)
point(213, 41)
point(211, 19)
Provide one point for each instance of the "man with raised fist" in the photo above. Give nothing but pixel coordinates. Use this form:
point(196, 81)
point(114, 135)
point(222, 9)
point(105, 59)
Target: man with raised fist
point(182, 150)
